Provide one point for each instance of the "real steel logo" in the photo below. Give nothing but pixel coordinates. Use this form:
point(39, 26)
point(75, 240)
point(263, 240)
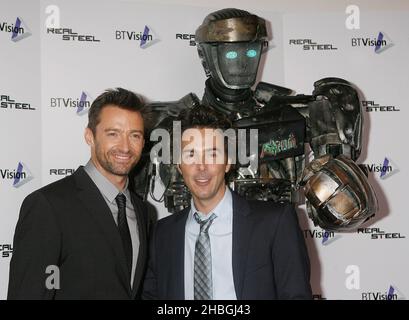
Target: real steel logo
point(190, 38)
point(371, 106)
point(6, 250)
point(379, 43)
point(19, 30)
point(146, 38)
point(61, 172)
point(6, 102)
point(187, 37)
point(377, 233)
point(68, 35)
point(19, 176)
point(308, 44)
point(80, 105)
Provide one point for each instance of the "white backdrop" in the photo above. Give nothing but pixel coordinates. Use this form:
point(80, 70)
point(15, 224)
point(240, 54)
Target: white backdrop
point(43, 79)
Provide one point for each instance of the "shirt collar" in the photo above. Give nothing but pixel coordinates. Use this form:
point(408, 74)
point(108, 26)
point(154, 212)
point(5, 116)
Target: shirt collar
point(224, 214)
point(106, 187)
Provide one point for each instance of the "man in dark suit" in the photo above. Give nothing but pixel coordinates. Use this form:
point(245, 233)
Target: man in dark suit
point(85, 236)
point(223, 246)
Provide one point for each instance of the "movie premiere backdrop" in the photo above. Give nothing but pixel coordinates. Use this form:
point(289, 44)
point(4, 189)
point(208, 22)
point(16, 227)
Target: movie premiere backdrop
point(57, 56)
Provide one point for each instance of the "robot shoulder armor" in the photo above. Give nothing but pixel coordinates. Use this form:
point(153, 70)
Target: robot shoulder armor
point(264, 91)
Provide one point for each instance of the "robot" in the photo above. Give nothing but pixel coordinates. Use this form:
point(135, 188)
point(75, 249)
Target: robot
point(329, 121)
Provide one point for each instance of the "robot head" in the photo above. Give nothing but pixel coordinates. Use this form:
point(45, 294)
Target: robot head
point(229, 42)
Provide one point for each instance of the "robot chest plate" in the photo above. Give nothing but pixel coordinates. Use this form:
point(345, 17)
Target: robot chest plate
point(281, 133)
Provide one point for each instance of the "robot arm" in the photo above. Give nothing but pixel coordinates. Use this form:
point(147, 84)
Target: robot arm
point(335, 119)
point(143, 176)
point(337, 189)
point(339, 195)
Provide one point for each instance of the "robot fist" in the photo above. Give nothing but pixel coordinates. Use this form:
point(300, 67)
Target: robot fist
point(338, 193)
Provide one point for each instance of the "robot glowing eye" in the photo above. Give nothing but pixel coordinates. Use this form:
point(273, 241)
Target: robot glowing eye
point(231, 55)
point(251, 53)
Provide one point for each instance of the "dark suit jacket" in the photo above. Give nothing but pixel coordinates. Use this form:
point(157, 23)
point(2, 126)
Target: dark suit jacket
point(270, 259)
point(68, 224)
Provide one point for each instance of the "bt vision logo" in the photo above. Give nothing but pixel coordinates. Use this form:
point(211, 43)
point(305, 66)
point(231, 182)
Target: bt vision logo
point(146, 38)
point(380, 43)
point(19, 30)
point(19, 176)
point(81, 104)
point(385, 170)
point(393, 293)
point(324, 236)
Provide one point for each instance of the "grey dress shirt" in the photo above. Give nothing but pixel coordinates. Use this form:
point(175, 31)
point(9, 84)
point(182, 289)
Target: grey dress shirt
point(109, 191)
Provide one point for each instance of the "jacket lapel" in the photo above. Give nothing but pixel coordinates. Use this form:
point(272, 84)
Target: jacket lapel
point(96, 206)
point(141, 218)
point(242, 229)
point(177, 283)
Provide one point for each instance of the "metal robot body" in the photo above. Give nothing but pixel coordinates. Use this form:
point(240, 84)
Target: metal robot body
point(329, 121)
